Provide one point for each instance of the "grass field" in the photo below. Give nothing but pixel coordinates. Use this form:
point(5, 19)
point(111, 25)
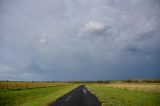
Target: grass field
point(33, 96)
point(110, 95)
point(144, 87)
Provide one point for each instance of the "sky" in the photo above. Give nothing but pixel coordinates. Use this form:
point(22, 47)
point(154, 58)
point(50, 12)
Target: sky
point(63, 40)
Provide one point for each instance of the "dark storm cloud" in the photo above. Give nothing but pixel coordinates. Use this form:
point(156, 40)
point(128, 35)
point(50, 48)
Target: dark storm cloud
point(147, 44)
point(79, 39)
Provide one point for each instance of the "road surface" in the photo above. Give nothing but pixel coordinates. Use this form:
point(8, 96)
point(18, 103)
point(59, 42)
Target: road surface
point(80, 96)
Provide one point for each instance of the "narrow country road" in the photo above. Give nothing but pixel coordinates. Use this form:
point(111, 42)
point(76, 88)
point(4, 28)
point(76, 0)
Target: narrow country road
point(80, 96)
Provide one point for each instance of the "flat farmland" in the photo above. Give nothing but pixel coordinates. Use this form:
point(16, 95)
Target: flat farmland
point(10, 85)
point(108, 94)
point(32, 94)
point(127, 94)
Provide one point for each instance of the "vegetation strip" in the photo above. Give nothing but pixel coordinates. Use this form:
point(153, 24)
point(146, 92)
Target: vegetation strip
point(34, 97)
point(110, 96)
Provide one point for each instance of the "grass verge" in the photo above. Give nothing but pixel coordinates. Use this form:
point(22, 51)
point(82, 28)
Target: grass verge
point(34, 96)
point(109, 96)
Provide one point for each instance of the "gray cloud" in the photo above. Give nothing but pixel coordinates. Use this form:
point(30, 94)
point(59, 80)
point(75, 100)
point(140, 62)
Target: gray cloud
point(79, 39)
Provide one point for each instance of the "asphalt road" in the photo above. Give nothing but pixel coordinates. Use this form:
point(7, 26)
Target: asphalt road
point(80, 96)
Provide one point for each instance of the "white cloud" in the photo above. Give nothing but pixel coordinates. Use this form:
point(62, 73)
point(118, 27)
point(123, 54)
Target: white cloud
point(92, 27)
point(43, 40)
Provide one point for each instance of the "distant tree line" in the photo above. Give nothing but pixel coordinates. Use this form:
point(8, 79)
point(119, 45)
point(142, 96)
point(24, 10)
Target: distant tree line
point(98, 81)
point(141, 81)
point(117, 81)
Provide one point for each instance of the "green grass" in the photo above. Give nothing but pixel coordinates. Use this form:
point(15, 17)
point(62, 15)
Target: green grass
point(34, 96)
point(109, 96)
